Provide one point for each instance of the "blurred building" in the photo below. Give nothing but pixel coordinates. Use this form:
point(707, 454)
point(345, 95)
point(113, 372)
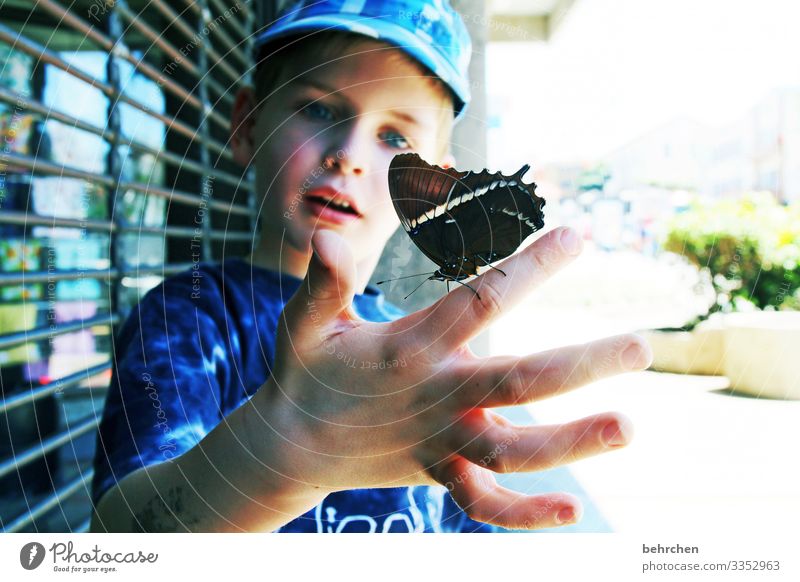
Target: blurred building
point(730, 169)
point(776, 152)
point(758, 151)
point(672, 156)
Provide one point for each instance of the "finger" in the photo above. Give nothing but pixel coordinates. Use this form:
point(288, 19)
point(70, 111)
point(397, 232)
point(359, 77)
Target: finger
point(506, 380)
point(494, 443)
point(326, 291)
point(476, 491)
point(461, 315)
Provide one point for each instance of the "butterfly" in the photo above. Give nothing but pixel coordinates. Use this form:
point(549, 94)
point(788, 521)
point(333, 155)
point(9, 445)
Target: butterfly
point(462, 220)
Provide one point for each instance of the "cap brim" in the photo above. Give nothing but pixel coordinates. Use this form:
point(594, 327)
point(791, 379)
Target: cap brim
point(383, 30)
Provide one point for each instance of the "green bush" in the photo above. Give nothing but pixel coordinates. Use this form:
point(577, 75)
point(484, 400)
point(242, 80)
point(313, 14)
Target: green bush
point(749, 247)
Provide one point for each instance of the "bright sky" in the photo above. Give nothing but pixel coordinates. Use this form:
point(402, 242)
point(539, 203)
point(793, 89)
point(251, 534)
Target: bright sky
point(618, 68)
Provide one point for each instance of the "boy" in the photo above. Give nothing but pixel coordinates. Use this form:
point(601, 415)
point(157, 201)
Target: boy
point(287, 395)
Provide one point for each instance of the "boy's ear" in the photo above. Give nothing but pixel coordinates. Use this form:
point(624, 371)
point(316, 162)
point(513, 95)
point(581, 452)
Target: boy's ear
point(243, 121)
point(448, 161)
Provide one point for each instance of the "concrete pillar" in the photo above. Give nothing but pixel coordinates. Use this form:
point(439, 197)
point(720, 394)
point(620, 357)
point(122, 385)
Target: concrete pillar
point(401, 256)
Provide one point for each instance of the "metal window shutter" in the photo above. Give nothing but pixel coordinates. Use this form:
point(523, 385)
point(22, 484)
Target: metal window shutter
point(114, 119)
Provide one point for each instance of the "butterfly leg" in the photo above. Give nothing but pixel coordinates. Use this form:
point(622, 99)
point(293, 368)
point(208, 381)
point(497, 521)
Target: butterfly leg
point(485, 262)
point(466, 285)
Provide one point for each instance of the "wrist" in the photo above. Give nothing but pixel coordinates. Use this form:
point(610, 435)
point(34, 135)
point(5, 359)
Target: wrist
point(280, 457)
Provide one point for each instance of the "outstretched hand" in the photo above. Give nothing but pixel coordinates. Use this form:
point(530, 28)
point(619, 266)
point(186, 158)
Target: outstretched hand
point(365, 404)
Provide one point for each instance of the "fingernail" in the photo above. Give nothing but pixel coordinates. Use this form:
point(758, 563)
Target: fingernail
point(570, 241)
point(612, 435)
point(636, 357)
point(565, 515)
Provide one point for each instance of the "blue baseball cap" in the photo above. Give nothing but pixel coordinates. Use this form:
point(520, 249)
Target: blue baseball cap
point(430, 31)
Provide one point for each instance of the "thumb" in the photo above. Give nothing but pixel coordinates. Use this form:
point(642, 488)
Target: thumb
point(326, 291)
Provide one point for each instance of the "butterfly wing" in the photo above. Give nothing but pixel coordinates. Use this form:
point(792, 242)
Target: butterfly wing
point(501, 213)
point(417, 189)
point(462, 219)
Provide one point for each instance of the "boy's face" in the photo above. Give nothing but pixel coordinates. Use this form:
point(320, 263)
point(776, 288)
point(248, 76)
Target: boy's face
point(331, 133)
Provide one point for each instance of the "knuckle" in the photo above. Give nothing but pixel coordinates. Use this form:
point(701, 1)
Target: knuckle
point(489, 305)
point(591, 369)
point(552, 376)
point(474, 511)
point(538, 517)
point(611, 360)
point(404, 351)
point(396, 352)
point(569, 447)
point(606, 360)
point(423, 402)
point(468, 498)
point(496, 463)
point(513, 389)
point(542, 259)
point(558, 450)
point(502, 458)
point(424, 355)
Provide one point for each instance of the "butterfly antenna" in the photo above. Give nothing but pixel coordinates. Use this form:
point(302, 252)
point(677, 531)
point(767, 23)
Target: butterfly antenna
point(404, 277)
point(417, 287)
point(492, 266)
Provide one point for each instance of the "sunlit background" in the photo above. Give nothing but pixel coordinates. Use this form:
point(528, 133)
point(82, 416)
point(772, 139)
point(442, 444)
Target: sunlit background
point(668, 134)
point(666, 131)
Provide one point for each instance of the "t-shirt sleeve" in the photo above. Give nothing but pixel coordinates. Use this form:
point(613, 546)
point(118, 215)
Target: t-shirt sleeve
point(166, 387)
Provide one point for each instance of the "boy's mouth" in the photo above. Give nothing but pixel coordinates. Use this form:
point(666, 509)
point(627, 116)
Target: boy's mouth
point(331, 206)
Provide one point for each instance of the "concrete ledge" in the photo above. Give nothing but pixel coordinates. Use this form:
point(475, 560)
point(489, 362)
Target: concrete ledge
point(759, 352)
point(762, 353)
point(698, 352)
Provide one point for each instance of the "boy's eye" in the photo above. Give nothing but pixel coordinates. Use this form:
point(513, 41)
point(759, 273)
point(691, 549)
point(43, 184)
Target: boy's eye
point(316, 110)
point(394, 139)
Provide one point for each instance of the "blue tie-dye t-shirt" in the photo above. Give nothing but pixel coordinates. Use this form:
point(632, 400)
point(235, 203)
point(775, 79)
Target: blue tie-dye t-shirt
point(199, 345)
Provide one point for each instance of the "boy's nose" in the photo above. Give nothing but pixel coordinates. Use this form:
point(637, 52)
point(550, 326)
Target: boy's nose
point(344, 162)
point(350, 155)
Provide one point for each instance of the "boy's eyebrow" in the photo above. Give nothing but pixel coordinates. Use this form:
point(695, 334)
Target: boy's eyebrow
point(406, 117)
point(303, 80)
